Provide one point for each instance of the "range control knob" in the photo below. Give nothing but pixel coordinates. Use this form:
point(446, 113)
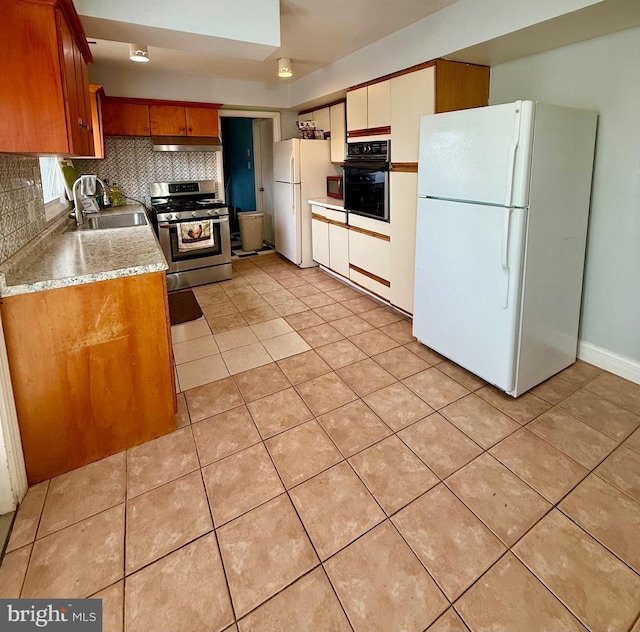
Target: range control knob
point(208, 211)
point(193, 213)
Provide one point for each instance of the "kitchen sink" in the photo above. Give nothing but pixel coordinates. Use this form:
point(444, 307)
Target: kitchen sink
point(122, 220)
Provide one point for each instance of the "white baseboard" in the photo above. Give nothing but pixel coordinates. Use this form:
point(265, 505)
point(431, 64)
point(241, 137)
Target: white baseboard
point(614, 363)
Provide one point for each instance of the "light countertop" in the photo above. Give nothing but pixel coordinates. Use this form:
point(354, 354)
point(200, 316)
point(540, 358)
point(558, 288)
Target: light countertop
point(327, 202)
point(61, 256)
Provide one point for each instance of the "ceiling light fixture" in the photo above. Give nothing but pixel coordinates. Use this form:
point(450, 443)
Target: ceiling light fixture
point(284, 67)
point(138, 52)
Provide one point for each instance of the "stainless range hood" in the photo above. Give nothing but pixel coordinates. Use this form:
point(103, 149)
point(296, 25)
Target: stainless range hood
point(186, 143)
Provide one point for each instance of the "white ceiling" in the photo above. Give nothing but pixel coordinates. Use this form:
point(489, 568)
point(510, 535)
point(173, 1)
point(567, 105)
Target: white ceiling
point(314, 33)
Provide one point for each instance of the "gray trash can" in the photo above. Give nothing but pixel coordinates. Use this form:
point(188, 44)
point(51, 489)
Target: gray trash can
point(251, 227)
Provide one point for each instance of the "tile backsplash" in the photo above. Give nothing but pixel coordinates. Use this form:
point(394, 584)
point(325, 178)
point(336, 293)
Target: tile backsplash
point(22, 215)
point(132, 163)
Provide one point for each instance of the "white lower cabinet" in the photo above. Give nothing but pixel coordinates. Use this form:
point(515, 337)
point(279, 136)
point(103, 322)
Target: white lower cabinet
point(403, 195)
point(339, 249)
point(369, 254)
point(319, 235)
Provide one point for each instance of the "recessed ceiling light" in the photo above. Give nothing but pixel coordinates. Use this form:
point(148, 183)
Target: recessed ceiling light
point(138, 52)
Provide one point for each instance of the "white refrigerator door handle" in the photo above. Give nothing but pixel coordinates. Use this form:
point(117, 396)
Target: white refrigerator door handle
point(513, 148)
point(506, 225)
point(292, 198)
point(291, 169)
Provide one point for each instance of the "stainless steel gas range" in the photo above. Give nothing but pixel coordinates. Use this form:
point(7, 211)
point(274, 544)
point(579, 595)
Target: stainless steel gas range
point(193, 231)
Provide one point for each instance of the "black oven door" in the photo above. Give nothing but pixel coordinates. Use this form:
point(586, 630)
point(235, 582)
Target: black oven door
point(366, 189)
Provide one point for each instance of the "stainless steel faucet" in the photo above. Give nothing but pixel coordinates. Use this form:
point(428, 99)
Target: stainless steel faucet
point(87, 185)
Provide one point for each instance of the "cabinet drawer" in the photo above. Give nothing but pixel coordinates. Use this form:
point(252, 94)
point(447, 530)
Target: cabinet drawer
point(369, 255)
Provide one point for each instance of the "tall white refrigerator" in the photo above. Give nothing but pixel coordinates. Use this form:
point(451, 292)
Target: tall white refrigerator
point(503, 203)
point(300, 169)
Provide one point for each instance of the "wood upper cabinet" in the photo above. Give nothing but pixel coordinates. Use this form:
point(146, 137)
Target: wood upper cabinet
point(46, 102)
point(122, 118)
point(167, 120)
point(202, 121)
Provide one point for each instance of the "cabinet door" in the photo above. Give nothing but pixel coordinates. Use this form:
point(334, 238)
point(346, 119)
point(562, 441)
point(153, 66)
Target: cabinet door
point(338, 132)
point(379, 105)
point(125, 119)
point(68, 55)
point(202, 121)
point(96, 121)
point(339, 249)
point(167, 120)
point(320, 240)
point(308, 116)
point(322, 118)
point(357, 109)
point(369, 261)
point(403, 198)
point(412, 96)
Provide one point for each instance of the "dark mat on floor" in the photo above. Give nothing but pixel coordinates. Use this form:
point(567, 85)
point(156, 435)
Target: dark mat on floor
point(183, 307)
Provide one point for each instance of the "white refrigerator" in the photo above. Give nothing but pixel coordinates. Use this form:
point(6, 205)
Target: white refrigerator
point(300, 169)
point(503, 204)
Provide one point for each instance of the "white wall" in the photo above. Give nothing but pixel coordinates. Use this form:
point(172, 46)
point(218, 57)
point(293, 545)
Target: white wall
point(602, 74)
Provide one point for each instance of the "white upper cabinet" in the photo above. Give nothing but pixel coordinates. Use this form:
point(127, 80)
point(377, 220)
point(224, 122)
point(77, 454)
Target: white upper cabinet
point(323, 119)
point(412, 95)
point(338, 132)
point(357, 116)
point(379, 104)
point(305, 117)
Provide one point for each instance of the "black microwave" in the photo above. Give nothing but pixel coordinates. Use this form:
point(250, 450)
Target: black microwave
point(334, 187)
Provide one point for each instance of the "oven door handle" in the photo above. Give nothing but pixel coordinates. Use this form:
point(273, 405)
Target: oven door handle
point(213, 221)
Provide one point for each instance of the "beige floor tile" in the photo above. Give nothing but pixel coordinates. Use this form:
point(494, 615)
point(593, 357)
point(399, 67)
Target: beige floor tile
point(401, 331)
point(608, 515)
point(209, 294)
point(304, 289)
point(482, 422)
point(435, 387)
point(344, 293)
point(278, 297)
point(509, 598)
point(278, 412)
point(455, 547)
point(398, 406)
point(159, 461)
point(320, 299)
point(320, 335)
point(597, 587)
point(78, 561)
point(264, 551)
point(440, 444)
point(224, 434)
point(112, 607)
point(191, 580)
point(13, 571)
point(581, 442)
point(393, 474)
point(382, 585)
point(360, 304)
point(259, 314)
point(164, 519)
point(448, 622)
point(325, 393)
point(340, 353)
point(194, 349)
point(366, 376)
point(220, 324)
point(374, 342)
point(617, 390)
point(241, 482)
point(460, 375)
point(633, 442)
point(580, 372)
point(188, 331)
point(555, 389)
point(182, 416)
point(381, 316)
point(424, 352)
point(400, 362)
point(211, 399)
point(308, 604)
point(605, 416)
point(25, 525)
point(200, 372)
point(244, 303)
point(352, 325)
point(219, 309)
point(302, 452)
point(236, 338)
point(83, 492)
point(354, 427)
point(285, 346)
point(288, 308)
point(245, 358)
point(522, 409)
point(622, 470)
point(335, 311)
point(304, 320)
point(304, 366)
point(261, 381)
point(292, 281)
point(498, 497)
point(271, 328)
point(550, 472)
point(335, 508)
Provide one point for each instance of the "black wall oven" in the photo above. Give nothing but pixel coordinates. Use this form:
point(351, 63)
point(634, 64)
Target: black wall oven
point(366, 179)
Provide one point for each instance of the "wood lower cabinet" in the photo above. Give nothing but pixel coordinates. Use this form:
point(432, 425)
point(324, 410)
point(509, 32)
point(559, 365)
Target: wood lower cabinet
point(123, 118)
point(45, 97)
point(91, 367)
